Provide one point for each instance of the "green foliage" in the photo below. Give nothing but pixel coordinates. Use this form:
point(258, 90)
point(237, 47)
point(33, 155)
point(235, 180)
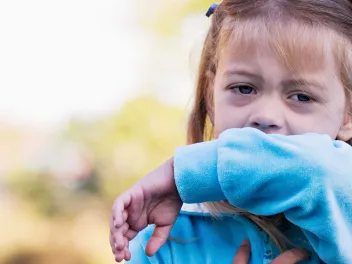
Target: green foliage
point(38, 189)
point(48, 197)
point(131, 142)
point(122, 147)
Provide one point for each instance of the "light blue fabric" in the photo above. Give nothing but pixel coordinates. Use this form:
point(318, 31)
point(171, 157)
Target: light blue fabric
point(306, 177)
point(199, 238)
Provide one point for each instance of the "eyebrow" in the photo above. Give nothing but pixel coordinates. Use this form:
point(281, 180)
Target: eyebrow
point(244, 73)
point(304, 82)
point(285, 83)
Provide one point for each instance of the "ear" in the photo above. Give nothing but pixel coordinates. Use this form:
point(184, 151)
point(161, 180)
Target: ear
point(345, 132)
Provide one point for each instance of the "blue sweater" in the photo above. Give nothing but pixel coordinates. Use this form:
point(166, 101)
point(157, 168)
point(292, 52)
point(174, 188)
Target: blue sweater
point(305, 177)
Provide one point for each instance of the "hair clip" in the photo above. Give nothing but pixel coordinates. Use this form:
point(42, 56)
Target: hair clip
point(211, 9)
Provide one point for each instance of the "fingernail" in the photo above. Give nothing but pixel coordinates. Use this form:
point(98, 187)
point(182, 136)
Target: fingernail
point(115, 224)
point(245, 243)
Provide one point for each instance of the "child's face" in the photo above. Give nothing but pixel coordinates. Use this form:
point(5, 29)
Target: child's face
point(257, 90)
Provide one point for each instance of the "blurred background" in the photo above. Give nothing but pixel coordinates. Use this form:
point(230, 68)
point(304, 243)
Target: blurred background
point(94, 94)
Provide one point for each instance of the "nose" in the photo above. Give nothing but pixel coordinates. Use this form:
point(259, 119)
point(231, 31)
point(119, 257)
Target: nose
point(267, 116)
point(265, 125)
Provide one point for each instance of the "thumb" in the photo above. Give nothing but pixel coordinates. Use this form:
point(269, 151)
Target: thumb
point(243, 253)
point(159, 237)
point(291, 256)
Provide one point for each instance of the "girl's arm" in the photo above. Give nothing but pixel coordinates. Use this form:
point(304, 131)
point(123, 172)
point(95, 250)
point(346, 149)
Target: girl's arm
point(306, 177)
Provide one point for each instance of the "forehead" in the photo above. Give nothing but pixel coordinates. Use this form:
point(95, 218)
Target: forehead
point(300, 47)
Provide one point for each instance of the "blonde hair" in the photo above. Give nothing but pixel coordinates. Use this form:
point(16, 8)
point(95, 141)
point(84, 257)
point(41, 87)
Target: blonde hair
point(289, 27)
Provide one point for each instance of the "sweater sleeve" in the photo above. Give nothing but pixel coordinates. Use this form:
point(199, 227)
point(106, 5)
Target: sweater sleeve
point(306, 177)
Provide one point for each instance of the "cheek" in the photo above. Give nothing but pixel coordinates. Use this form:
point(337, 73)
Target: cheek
point(334, 121)
point(335, 114)
point(322, 121)
point(227, 116)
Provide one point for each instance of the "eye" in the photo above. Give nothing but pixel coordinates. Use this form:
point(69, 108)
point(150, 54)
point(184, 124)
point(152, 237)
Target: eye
point(244, 89)
point(301, 98)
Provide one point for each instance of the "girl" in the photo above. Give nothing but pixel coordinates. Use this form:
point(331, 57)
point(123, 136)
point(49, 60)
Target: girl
point(274, 89)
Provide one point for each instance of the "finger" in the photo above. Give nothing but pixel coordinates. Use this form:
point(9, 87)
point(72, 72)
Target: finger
point(136, 207)
point(119, 237)
point(113, 229)
point(112, 237)
point(243, 253)
point(120, 204)
point(124, 219)
point(121, 229)
point(159, 237)
point(127, 254)
point(112, 244)
point(124, 216)
point(130, 234)
point(119, 256)
point(291, 256)
point(126, 242)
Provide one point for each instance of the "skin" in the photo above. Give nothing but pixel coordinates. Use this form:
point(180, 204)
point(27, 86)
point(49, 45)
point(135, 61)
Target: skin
point(289, 257)
point(154, 200)
point(260, 92)
point(256, 89)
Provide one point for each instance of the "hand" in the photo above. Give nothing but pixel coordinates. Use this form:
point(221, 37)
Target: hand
point(153, 200)
point(288, 257)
